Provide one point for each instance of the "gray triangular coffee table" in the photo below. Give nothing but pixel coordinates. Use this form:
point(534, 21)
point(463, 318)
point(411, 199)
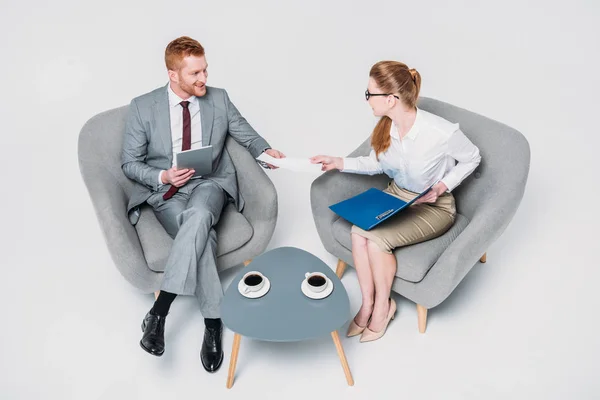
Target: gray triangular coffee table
point(284, 313)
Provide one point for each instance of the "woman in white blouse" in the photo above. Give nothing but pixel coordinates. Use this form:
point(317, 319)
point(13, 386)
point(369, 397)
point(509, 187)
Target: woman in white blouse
point(416, 149)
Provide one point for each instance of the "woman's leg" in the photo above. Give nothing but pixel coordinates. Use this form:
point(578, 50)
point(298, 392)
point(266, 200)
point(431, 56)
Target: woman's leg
point(383, 266)
point(365, 278)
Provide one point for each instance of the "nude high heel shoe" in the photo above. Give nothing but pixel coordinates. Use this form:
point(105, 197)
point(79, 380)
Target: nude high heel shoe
point(369, 335)
point(355, 329)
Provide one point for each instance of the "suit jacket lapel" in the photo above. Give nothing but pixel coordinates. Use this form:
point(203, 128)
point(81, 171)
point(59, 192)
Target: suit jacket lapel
point(162, 117)
point(206, 115)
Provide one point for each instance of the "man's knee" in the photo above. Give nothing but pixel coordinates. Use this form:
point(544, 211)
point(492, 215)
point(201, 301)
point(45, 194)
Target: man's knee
point(198, 216)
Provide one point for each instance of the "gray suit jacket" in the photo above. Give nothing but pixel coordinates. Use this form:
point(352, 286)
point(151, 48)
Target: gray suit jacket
point(148, 149)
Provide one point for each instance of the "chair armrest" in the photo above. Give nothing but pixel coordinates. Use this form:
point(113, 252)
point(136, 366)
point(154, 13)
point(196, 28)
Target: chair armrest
point(257, 190)
point(335, 186)
point(110, 205)
point(489, 222)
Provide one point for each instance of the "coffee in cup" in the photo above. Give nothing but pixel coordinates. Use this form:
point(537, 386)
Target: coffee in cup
point(316, 281)
point(253, 281)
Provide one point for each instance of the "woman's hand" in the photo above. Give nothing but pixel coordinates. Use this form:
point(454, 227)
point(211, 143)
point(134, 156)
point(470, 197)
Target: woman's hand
point(328, 162)
point(436, 191)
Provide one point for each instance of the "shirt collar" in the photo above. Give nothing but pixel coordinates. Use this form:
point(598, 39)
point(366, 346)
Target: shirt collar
point(174, 100)
point(414, 130)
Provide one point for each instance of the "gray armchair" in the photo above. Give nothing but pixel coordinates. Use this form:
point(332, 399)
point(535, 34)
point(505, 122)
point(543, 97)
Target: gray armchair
point(140, 251)
point(486, 201)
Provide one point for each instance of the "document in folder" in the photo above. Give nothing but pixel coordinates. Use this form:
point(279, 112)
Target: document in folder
point(372, 207)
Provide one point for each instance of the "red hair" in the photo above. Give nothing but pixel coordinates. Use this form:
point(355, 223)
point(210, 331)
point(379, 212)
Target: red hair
point(180, 48)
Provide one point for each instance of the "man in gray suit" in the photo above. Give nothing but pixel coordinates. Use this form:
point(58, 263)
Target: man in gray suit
point(186, 114)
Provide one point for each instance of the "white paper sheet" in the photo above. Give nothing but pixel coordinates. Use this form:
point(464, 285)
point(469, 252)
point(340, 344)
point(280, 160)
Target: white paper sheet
point(291, 163)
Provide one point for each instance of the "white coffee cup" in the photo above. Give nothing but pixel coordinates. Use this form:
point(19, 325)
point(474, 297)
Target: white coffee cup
point(316, 281)
point(252, 281)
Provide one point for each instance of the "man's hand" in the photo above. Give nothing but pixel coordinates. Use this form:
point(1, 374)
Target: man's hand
point(177, 177)
point(436, 191)
point(328, 162)
point(275, 154)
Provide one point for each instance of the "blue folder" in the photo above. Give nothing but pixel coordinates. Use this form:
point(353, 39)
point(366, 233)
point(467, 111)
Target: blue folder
point(372, 207)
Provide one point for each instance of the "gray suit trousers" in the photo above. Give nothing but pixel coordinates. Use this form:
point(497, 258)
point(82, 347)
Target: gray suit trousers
point(189, 218)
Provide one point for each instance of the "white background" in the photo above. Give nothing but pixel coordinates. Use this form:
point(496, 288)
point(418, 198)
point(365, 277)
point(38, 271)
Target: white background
point(524, 325)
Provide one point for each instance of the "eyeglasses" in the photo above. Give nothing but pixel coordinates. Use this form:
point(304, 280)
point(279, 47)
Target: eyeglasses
point(367, 94)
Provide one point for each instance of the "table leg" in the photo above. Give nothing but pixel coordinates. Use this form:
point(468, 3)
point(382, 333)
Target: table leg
point(340, 350)
point(233, 362)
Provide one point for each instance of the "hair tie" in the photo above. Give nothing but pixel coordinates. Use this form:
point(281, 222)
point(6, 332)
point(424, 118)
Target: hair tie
point(413, 73)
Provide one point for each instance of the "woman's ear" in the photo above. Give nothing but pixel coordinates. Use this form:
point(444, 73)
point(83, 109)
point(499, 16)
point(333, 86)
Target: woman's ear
point(391, 101)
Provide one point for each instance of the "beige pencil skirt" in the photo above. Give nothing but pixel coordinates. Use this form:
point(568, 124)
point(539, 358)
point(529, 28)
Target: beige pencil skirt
point(417, 223)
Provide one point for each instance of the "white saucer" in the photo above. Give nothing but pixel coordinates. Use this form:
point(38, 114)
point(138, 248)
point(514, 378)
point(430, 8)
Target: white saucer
point(259, 293)
point(320, 295)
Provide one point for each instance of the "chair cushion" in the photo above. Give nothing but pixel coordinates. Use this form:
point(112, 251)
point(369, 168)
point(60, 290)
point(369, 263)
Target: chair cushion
point(233, 231)
point(414, 261)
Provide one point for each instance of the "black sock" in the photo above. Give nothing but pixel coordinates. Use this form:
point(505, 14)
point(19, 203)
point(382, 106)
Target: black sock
point(212, 322)
point(163, 303)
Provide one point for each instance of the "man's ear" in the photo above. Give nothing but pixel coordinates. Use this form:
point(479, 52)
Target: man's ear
point(173, 76)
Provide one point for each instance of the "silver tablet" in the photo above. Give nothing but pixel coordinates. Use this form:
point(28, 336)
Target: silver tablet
point(200, 160)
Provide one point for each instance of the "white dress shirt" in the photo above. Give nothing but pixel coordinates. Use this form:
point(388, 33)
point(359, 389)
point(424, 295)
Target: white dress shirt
point(433, 150)
point(176, 116)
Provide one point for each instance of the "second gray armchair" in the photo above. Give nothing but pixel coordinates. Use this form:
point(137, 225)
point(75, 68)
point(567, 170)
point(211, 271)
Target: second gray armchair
point(428, 272)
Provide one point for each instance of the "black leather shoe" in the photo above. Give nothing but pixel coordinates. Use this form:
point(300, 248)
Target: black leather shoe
point(212, 349)
point(153, 339)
